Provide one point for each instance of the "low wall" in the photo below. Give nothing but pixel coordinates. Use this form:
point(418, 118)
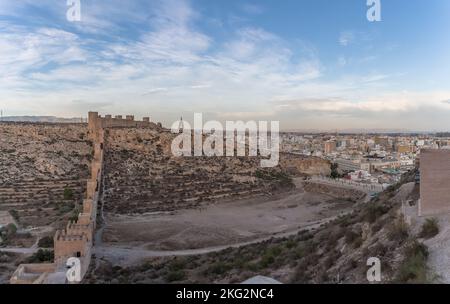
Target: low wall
point(349, 184)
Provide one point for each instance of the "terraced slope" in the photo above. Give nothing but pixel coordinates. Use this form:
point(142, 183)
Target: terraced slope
point(143, 176)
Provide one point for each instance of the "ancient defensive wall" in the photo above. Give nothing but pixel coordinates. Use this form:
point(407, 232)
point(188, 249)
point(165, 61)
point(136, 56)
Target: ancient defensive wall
point(76, 240)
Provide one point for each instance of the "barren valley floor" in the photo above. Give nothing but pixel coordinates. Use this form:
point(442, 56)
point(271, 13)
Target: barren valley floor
point(127, 238)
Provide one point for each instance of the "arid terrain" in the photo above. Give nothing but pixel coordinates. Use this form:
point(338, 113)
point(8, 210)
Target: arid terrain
point(43, 172)
point(335, 251)
point(196, 219)
point(225, 223)
point(151, 200)
point(43, 168)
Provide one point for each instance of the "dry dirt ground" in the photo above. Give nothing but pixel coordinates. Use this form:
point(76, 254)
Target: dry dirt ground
point(225, 223)
point(439, 248)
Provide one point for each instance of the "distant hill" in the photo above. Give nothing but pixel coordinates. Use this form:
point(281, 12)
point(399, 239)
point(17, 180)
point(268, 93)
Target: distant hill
point(51, 119)
point(357, 131)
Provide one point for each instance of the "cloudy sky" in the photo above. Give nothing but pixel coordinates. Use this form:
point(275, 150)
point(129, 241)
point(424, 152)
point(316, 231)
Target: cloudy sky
point(311, 64)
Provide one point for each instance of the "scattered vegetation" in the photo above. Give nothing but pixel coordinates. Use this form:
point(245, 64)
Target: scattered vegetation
point(398, 230)
point(7, 233)
point(335, 252)
point(9, 236)
point(41, 256)
point(413, 268)
point(429, 229)
point(271, 175)
point(46, 242)
point(373, 211)
point(75, 214)
point(65, 207)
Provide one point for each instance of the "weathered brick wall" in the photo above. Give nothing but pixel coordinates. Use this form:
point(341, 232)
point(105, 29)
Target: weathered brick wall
point(434, 182)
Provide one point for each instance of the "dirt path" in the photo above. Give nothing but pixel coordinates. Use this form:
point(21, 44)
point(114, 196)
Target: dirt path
point(34, 248)
point(30, 250)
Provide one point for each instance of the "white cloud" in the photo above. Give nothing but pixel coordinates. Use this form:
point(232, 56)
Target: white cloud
point(171, 67)
point(346, 38)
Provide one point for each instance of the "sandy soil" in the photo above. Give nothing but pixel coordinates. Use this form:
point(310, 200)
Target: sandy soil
point(223, 223)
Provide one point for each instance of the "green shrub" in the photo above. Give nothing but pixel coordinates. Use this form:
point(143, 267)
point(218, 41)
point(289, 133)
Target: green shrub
point(46, 242)
point(11, 229)
point(7, 233)
point(429, 229)
point(218, 268)
point(267, 260)
point(177, 264)
point(74, 216)
point(41, 256)
point(399, 230)
point(68, 194)
point(174, 276)
point(413, 268)
point(290, 244)
point(374, 211)
point(65, 207)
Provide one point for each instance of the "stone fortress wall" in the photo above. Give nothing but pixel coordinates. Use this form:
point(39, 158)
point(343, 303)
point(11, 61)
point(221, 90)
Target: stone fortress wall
point(76, 240)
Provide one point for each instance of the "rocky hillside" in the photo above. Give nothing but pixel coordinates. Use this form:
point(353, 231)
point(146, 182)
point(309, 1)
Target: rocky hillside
point(142, 175)
point(43, 151)
point(304, 165)
point(43, 171)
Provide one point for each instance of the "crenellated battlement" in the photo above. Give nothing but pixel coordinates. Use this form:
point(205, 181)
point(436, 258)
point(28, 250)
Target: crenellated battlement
point(97, 122)
point(74, 231)
point(79, 228)
point(71, 243)
point(72, 236)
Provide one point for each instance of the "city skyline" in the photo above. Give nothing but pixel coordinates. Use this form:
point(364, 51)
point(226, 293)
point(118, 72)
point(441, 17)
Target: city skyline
point(308, 64)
